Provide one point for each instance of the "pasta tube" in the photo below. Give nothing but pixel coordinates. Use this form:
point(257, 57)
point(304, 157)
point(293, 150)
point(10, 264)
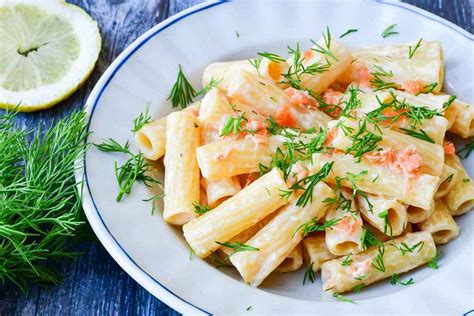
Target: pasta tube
point(279, 237)
point(228, 158)
point(182, 178)
point(440, 224)
point(151, 138)
point(386, 214)
point(316, 251)
point(268, 99)
point(247, 234)
point(377, 263)
point(344, 237)
point(418, 214)
point(336, 64)
point(435, 127)
point(424, 67)
point(447, 179)
point(432, 154)
point(293, 262)
point(225, 71)
point(236, 214)
point(217, 190)
point(460, 199)
point(216, 109)
point(464, 121)
point(377, 179)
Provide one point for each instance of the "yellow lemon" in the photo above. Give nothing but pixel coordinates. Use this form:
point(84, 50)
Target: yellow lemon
point(48, 49)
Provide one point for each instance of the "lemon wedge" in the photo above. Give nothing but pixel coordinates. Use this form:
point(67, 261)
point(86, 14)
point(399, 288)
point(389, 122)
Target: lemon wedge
point(48, 48)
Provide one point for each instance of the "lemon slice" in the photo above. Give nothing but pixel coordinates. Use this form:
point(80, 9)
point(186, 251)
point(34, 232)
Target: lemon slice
point(48, 48)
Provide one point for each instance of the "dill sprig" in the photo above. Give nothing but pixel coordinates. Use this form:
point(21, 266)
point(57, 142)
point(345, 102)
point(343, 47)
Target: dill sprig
point(397, 280)
point(404, 248)
point(368, 239)
point(237, 247)
point(433, 263)
point(142, 119)
point(313, 226)
point(347, 260)
point(154, 198)
point(273, 57)
point(341, 298)
point(415, 114)
point(134, 169)
point(326, 49)
point(387, 226)
point(349, 31)
point(379, 79)
point(255, 62)
point(353, 179)
point(390, 30)
point(213, 82)
point(182, 93)
point(363, 141)
point(309, 274)
point(308, 183)
point(201, 209)
point(40, 201)
point(351, 104)
point(358, 287)
point(297, 68)
point(448, 103)
point(234, 125)
point(412, 50)
point(467, 149)
point(378, 262)
point(420, 134)
point(428, 88)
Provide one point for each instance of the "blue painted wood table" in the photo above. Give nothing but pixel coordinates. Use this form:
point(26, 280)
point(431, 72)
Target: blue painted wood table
point(94, 284)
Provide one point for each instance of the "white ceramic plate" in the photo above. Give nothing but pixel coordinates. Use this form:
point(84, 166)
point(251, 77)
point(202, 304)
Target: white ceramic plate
point(155, 254)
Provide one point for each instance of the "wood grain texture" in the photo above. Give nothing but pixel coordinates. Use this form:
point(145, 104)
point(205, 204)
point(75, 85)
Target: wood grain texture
point(94, 284)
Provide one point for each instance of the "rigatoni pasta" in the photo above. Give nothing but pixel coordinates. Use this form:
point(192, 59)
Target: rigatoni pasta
point(378, 263)
point(236, 214)
point(316, 251)
point(440, 224)
point(182, 179)
point(151, 138)
point(333, 159)
point(388, 215)
point(460, 199)
point(278, 238)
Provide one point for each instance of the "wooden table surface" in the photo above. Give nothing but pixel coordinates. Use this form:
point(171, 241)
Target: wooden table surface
point(94, 284)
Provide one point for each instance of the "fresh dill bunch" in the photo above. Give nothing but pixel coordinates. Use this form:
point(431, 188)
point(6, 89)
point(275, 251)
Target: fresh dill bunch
point(40, 204)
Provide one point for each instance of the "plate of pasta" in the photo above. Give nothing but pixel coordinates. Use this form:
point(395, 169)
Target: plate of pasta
point(290, 162)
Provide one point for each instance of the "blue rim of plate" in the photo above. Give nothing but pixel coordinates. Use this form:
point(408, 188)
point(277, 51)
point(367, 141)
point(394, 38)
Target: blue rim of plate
point(192, 11)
